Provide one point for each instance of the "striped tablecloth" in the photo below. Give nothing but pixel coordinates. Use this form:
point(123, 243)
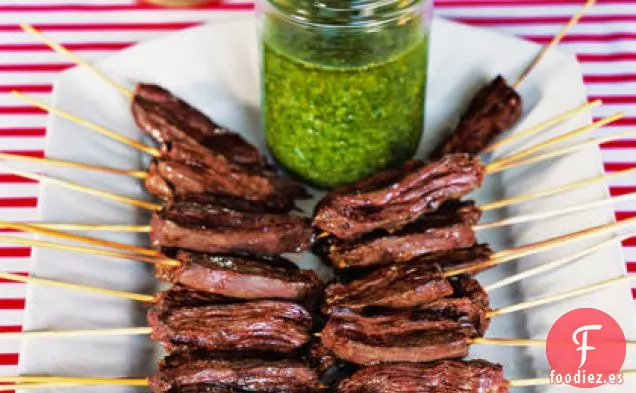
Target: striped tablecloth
point(605, 42)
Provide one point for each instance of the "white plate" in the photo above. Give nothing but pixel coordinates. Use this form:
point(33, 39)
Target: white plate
point(215, 67)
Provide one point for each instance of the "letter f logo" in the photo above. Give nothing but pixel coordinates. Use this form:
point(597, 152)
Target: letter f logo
point(584, 348)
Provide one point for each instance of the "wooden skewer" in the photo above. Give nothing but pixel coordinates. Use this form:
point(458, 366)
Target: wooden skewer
point(88, 124)
point(32, 386)
point(79, 238)
point(73, 164)
point(521, 251)
point(554, 264)
point(563, 151)
point(510, 254)
point(77, 287)
point(92, 227)
point(555, 213)
point(559, 296)
point(76, 59)
point(76, 380)
point(89, 250)
point(542, 126)
point(84, 189)
point(510, 160)
point(555, 41)
point(555, 190)
point(135, 331)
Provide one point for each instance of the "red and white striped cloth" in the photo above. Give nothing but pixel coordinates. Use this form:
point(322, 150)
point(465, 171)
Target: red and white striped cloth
point(605, 41)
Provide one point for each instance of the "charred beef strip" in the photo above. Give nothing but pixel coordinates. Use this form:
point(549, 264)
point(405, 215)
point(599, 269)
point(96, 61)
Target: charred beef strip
point(179, 296)
point(460, 258)
point(167, 119)
point(411, 242)
point(447, 376)
point(396, 286)
point(494, 109)
point(232, 372)
point(245, 277)
point(258, 325)
point(182, 171)
point(446, 229)
point(168, 180)
point(452, 211)
point(184, 153)
point(216, 229)
point(423, 189)
point(410, 284)
point(400, 338)
point(437, 330)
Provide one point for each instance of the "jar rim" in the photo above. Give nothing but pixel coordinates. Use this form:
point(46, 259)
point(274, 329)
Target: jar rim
point(362, 14)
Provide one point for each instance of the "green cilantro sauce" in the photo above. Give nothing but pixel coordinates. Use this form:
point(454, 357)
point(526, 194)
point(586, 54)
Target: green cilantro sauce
point(332, 118)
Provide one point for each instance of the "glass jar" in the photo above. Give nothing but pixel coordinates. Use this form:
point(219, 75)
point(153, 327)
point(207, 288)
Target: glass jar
point(343, 84)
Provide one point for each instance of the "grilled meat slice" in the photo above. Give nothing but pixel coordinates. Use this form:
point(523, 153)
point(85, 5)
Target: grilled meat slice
point(244, 277)
point(411, 242)
point(391, 206)
point(166, 118)
point(447, 376)
point(396, 286)
point(494, 109)
point(179, 296)
point(432, 331)
point(445, 229)
point(438, 330)
point(424, 344)
point(232, 372)
point(216, 229)
point(259, 325)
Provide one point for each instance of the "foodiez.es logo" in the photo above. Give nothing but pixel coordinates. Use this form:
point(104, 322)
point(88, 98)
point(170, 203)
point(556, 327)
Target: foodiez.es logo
point(586, 348)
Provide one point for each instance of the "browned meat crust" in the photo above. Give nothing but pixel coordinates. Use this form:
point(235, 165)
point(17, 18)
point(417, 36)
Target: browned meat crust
point(399, 200)
point(397, 286)
point(225, 373)
point(244, 277)
point(494, 109)
point(411, 242)
point(167, 119)
point(431, 331)
point(475, 376)
point(215, 229)
point(259, 325)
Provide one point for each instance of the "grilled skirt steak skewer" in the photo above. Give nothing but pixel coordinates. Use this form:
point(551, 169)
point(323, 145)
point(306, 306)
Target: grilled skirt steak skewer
point(494, 109)
point(474, 376)
point(448, 228)
point(199, 156)
point(222, 324)
point(396, 286)
point(405, 285)
point(441, 329)
point(201, 372)
point(217, 229)
point(169, 180)
point(412, 241)
point(166, 118)
point(397, 198)
point(182, 171)
point(245, 277)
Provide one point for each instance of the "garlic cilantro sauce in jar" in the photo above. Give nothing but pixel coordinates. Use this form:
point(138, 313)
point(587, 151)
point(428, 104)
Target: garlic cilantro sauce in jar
point(343, 84)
